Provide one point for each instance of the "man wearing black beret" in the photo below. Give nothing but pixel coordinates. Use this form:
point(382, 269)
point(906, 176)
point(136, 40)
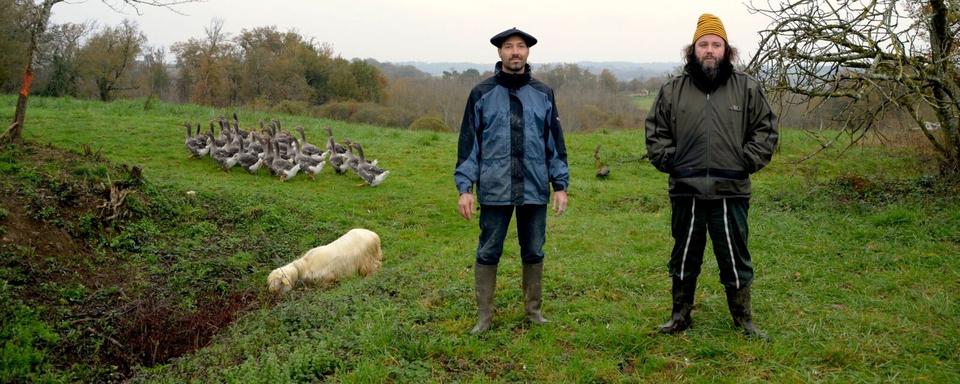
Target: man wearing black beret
point(510, 153)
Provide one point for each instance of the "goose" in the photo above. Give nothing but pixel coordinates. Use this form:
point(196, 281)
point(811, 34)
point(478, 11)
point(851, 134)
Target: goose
point(225, 159)
point(602, 170)
point(351, 160)
point(269, 154)
point(217, 141)
point(236, 127)
point(371, 174)
point(309, 164)
point(282, 137)
point(255, 144)
point(336, 147)
point(249, 159)
point(227, 155)
point(283, 168)
point(305, 147)
point(279, 134)
point(225, 129)
point(198, 145)
point(337, 160)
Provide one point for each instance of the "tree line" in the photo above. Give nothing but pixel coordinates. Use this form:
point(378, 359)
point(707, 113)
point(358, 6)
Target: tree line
point(266, 69)
point(107, 62)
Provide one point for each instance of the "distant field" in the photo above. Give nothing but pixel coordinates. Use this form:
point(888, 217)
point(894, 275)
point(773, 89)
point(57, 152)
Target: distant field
point(645, 102)
point(857, 274)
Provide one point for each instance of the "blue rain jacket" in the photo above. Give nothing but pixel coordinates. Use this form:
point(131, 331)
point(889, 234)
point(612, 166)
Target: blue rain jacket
point(511, 145)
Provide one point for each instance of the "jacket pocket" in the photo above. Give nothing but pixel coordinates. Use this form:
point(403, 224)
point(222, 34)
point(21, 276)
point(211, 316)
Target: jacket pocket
point(729, 143)
point(536, 177)
point(494, 182)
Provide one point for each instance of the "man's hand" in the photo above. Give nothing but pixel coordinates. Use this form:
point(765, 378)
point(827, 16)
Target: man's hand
point(559, 202)
point(466, 205)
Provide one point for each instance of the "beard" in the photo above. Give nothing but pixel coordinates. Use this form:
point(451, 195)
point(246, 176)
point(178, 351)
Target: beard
point(710, 67)
point(515, 67)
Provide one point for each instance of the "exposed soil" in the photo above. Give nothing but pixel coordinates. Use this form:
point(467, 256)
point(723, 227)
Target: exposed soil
point(111, 314)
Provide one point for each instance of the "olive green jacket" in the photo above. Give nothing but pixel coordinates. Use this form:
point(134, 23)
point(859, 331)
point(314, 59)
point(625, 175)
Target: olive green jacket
point(710, 143)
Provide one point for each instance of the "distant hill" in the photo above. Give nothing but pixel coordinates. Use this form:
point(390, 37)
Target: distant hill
point(621, 69)
point(624, 70)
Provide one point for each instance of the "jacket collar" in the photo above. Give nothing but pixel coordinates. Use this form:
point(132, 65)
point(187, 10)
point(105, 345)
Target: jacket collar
point(511, 80)
point(700, 79)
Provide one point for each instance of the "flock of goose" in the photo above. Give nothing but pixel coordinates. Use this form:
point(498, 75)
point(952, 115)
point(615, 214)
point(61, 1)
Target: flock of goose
point(279, 151)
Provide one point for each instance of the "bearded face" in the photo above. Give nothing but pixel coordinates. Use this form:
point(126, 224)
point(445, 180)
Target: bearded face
point(709, 51)
point(513, 53)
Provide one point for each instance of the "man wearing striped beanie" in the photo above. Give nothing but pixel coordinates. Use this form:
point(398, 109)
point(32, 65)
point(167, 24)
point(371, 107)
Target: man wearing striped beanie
point(709, 129)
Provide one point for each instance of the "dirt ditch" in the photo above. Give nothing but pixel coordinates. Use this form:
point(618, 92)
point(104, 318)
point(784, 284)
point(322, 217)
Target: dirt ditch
point(110, 312)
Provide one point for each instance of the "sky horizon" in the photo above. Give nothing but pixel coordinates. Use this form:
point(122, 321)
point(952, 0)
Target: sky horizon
point(446, 31)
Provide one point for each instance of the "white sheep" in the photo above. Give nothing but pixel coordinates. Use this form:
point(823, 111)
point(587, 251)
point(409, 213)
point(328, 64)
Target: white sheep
point(358, 251)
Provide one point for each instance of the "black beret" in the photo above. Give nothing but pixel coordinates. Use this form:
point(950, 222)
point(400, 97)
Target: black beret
point(500, 37)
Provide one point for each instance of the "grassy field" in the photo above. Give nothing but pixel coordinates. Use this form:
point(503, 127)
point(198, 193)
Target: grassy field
point(645, 102)
point(858, 278)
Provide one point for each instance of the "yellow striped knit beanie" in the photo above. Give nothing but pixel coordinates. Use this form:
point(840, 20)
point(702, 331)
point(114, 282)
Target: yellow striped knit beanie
point(709, 25)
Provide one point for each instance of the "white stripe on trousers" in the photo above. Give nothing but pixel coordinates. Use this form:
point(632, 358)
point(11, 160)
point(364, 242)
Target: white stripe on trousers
point(726, 227)
point(693, 216)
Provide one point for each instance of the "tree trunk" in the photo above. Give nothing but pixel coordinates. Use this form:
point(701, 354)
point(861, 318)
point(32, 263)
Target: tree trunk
point(16, 127)
point(38, 27)
point(941, 44)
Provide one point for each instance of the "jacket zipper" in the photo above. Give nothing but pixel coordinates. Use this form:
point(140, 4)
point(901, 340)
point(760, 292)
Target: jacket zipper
point(706, 163)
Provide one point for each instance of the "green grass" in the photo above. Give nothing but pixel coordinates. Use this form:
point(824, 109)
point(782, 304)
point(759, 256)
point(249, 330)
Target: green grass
point(645, 102)
point(854, 283)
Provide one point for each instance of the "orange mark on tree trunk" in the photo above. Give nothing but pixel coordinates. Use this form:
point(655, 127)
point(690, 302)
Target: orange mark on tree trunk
point(27, 82)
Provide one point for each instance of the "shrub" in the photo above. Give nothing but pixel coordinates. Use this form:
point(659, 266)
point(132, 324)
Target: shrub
point(370, 113)
point(292, 107)
point(258, 104)
point(377, 114)
point(429, 123)
point(340, 110)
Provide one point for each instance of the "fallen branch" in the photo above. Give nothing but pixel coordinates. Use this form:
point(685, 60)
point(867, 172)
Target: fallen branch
point(7, 136)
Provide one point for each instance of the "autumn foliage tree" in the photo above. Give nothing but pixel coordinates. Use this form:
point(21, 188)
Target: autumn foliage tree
point(60, 59)
point(264, 64)
point(15, 38)
point(109, 56)
point(36, 17)
point(273, 64)
point(205, 67)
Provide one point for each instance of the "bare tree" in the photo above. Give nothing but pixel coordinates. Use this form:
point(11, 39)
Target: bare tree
point(39, 18)
point(154, 76)
point(880, 55)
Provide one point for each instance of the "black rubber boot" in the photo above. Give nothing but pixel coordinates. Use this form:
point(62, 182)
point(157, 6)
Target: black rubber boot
point(485, 277)
point(683, 292)
point(740, 308)
point(532, 291)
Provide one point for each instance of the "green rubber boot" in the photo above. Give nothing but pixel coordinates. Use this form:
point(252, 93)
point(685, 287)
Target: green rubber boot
point(485, 278)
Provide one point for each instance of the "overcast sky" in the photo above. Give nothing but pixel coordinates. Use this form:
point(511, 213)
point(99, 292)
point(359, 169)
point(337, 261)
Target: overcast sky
point(450, 30)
